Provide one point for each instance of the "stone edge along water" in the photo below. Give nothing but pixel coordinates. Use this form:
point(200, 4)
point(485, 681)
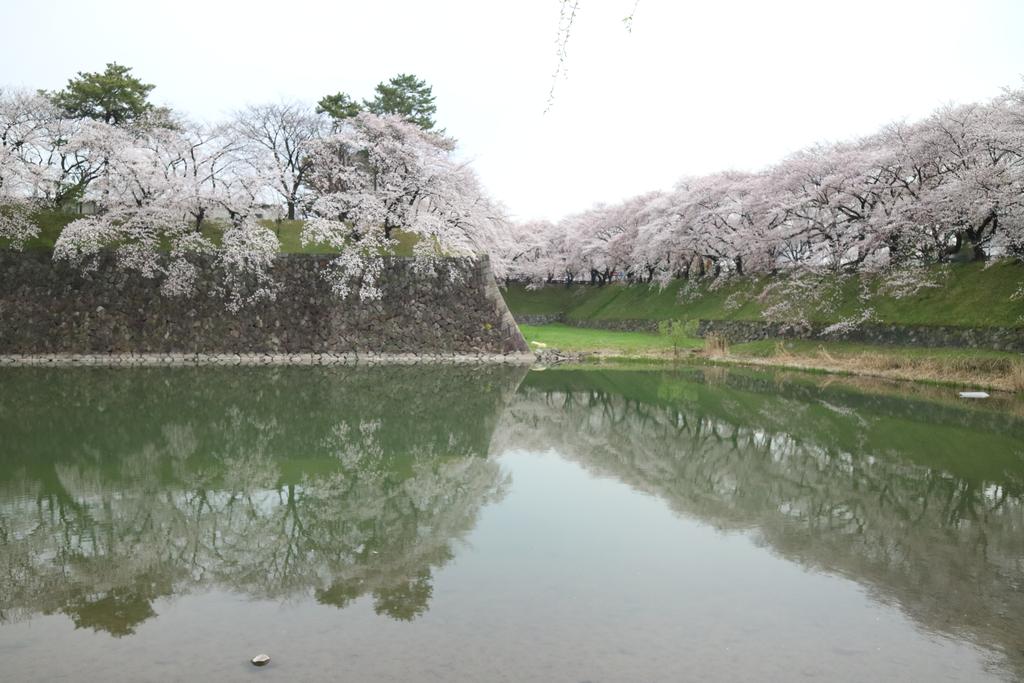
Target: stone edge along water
point(188, 359)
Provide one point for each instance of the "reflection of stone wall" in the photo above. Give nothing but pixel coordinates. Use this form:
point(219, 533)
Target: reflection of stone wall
point(301, 411)
point(1002, 338)
point(48, 308)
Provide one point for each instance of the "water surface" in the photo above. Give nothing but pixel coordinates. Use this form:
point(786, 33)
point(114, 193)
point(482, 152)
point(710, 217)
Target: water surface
point(452, 523)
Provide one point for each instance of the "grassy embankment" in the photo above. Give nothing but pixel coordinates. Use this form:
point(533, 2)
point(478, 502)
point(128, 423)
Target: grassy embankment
point(969, 296)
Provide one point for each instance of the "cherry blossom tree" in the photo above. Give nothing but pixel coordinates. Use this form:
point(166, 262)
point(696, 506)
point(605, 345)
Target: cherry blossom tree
point(379, 174)
point(824, 193)
point(606, 243)
point(911, 195)
point(889, 205)
point(157, 187)
point(278, 138)
point(19, 131)
point(664, 248)
point(971, 180)
point(892, 204)
point(40, 164)
point(524, 248)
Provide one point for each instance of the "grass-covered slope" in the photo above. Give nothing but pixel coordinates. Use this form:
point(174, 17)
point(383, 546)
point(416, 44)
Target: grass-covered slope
point(289, 233)
point(50, 223)
point(969, 295)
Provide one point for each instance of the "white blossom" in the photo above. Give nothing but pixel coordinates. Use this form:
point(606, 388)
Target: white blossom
point(380, 174)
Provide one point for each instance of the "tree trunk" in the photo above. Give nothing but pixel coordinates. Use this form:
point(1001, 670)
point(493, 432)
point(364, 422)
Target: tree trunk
point(976, 237)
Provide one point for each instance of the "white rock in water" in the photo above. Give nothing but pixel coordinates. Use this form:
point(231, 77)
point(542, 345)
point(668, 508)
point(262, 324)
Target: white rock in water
point(973, 394)
point(261, 660)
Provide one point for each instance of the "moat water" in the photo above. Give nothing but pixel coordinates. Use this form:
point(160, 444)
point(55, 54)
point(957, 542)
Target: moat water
point(494, 524)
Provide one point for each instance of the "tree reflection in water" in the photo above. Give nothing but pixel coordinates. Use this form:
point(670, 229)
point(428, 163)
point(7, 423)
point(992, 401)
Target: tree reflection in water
point(118, 487)
point(922, 502)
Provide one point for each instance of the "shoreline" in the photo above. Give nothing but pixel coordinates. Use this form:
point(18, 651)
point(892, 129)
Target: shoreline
point(966, 368)
point(850, 370)
point(834, 366)
point(257, 359)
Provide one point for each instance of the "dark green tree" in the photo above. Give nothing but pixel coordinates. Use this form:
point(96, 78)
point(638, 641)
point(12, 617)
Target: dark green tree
point(338, 106)
point(114, 96)
point(407, 96)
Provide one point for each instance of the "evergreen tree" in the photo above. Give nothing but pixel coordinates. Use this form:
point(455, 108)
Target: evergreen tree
point(338, 106)
point(113, 96)
point(406, 96)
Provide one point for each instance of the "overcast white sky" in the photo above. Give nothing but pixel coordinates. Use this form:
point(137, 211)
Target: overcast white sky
point(696, 87)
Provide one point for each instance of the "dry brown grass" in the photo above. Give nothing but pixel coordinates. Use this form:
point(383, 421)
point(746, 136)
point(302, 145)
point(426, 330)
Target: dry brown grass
point(892, 386)
point(1006, 374)
point(1016, 376)
point(940, 367)
point(716, 345)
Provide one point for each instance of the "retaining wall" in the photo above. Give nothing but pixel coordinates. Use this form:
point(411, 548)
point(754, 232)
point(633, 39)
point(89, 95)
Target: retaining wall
point(997, 338)
point(49, 308)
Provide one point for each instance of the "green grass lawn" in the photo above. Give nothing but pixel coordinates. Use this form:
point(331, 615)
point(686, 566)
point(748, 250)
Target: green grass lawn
point(568, 338)
point(50, 223)
point(970, 295)
point(546, 300)
point(289, 233)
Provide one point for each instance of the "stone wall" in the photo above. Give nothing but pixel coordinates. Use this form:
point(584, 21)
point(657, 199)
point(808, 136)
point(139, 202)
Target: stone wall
point(539, 318)
point(618, 325)
point(998, 338)
point(50, 308)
